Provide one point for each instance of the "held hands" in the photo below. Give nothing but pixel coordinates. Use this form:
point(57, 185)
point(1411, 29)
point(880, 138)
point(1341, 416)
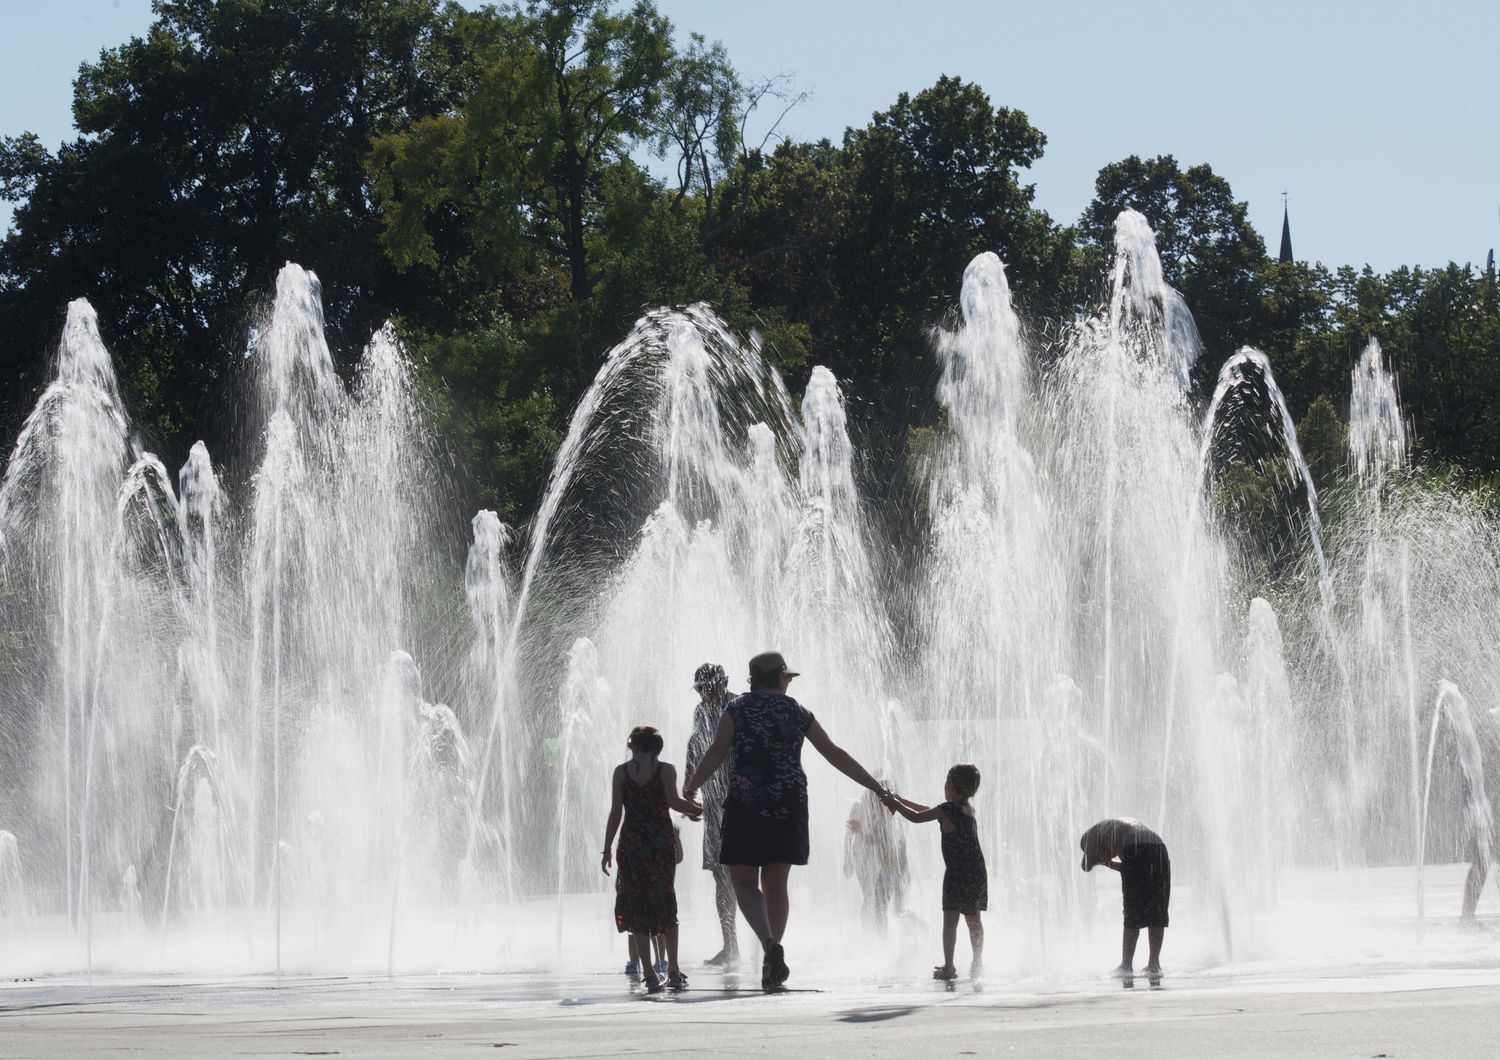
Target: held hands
point(888, 799)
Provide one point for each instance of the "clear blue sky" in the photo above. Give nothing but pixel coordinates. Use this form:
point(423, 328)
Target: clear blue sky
point(1381, 119)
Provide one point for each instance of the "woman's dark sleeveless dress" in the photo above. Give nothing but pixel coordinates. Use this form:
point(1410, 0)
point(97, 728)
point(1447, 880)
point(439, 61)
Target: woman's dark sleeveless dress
point(765, 812)
point(966, 884)
point(645, 899)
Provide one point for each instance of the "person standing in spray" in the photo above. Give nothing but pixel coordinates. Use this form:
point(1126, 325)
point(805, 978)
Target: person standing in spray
point(712, 684)
point(765, 815)
point(1145, 882)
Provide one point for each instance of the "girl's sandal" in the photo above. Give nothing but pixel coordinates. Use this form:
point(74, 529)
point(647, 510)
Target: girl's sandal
point(677, 981)
point(654, 984)
point(945, 974)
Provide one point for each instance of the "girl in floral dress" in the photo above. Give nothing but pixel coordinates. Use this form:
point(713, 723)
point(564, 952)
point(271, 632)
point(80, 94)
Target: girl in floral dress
point(645, 790)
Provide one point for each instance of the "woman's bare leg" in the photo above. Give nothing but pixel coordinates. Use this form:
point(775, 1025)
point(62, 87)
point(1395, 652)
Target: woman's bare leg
point(752, 903)
point(773, 881)
point(672, 968)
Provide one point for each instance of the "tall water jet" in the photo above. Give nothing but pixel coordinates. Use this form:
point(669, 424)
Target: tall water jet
point(56, 502)
point(1452, 705)
point(14, 905)
point(591, 728)
point(486, 585)
point(1246, 380)
point(993, 600)
point(1377, 430)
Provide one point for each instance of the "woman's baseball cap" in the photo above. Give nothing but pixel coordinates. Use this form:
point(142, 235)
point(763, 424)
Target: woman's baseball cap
point(767, 666)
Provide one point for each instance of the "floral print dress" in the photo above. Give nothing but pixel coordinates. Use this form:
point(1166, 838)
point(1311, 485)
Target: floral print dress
point(645, 894)
point(765, 813)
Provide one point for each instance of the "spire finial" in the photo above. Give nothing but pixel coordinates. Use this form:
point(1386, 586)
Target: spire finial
point(1286, 231)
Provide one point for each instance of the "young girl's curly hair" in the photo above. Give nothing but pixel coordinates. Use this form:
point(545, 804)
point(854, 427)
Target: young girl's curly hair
point(646, 739)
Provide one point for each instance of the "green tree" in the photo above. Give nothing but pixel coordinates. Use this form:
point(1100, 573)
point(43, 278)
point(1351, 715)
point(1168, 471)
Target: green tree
point(511, 180)
point(226, 141)
point(865, 245)
point(1321, 435)
point(1209, 251)
point(1448, 360)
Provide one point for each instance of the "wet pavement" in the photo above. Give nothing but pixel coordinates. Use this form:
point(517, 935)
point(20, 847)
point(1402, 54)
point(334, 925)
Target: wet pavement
point(1391, 1014)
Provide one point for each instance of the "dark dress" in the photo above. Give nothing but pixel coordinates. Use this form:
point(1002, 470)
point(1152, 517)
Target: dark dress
point(765, 812)
point(966, 883)
point(645, 900)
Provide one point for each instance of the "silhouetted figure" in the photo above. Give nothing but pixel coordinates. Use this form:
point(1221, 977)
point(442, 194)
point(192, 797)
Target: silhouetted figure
point(712, 685)
point(644, 790)
point(1145, 882)
point(765, 815)
point(966, 886)
point(875, 855)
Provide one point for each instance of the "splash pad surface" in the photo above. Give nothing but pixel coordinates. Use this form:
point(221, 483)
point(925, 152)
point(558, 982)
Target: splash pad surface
point(1398, 992)
point(1433, 996)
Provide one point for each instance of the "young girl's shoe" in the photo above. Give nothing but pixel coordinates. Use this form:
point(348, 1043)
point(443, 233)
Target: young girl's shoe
point(676, 981)
point(633, 969)
point(944, 973)
point(655, 984)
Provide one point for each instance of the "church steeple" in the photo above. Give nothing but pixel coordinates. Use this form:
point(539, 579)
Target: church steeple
point(1286, 231)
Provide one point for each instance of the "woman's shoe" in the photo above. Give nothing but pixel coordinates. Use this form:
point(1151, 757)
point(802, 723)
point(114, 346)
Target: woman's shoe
point(654, 985)
point(677, 981)
point(774, 968)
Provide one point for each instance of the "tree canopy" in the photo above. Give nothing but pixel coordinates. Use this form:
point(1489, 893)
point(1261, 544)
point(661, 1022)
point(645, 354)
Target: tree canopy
point(486, 179)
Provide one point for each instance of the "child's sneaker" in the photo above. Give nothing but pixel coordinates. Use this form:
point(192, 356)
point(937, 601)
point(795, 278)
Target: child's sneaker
point(661, 966)
point(633, 969)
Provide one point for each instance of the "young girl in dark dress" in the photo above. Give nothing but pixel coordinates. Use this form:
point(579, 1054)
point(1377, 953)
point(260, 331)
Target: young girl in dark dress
point(966, 889)
point(645, 897)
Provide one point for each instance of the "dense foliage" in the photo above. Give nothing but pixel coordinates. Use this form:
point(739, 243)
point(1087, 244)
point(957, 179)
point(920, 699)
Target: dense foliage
point(478, 177)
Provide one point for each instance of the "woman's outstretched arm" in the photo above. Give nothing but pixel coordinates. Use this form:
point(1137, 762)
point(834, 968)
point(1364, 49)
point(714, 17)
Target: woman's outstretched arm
point(616, 808)
point(841, 759)
point(723, 737)
point(914, 812)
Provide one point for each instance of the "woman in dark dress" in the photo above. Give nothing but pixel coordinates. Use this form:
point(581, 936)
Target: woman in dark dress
point(645, 894)
point(765, 813)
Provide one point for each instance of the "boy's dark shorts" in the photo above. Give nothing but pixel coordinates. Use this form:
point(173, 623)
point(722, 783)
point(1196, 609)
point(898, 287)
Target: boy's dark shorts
point(1146, 880)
